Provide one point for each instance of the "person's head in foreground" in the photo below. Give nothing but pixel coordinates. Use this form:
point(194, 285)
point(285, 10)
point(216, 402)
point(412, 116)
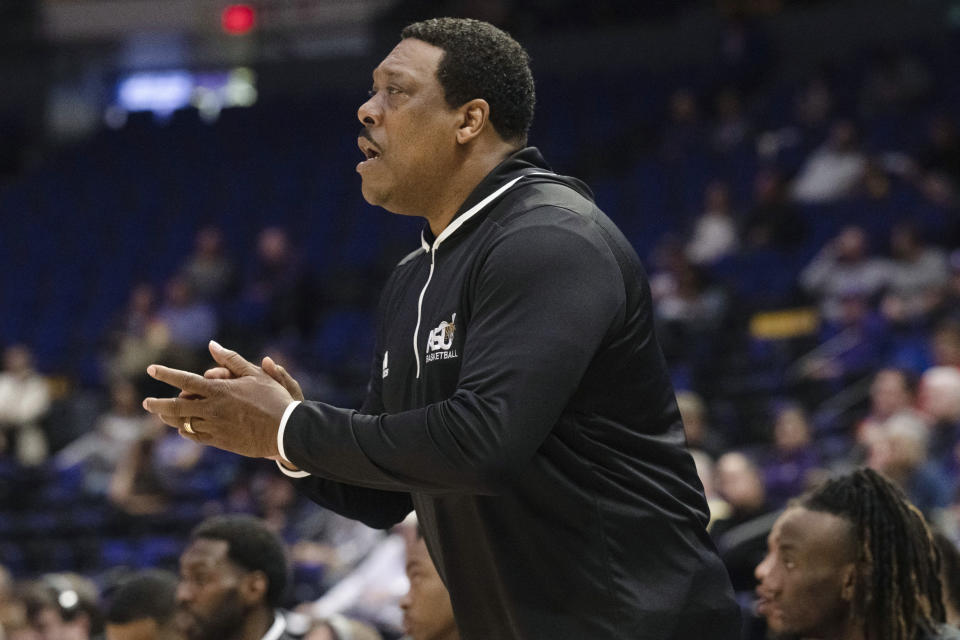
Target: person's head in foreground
point(142, 608)
point(62, 606)
point(853, 559)
point(232, 576)
point(427, 613)
point(448, 103)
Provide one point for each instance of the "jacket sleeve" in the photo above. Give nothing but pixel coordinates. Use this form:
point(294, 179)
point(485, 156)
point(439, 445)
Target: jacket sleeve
point(545, 297)
point(373, 507)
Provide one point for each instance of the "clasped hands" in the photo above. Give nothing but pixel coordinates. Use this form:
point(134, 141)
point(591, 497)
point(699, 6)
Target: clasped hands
point(236, 406)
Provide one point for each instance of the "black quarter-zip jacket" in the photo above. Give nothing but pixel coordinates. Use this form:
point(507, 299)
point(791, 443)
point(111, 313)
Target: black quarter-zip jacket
point(520, 402)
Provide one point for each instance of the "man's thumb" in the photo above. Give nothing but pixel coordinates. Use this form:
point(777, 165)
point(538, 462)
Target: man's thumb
point(280, 374)
point(231, 360)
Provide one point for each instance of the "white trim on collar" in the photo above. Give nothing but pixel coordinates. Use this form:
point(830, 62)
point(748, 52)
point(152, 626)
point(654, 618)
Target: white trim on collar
point(457, 222)
point(277, 628)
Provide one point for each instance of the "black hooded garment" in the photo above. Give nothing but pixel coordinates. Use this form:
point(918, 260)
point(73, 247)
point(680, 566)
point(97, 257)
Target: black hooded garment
point(520, 402)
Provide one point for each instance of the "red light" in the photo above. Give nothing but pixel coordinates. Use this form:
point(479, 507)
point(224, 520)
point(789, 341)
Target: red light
point(238, 19)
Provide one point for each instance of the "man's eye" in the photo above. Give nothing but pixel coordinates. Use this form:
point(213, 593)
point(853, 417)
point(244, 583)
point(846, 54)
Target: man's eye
point(393, 90)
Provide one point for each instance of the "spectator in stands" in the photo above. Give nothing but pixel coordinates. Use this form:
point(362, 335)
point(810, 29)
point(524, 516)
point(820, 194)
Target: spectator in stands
point(189, 321)
point(941, 156)
point(900, 453)
point(740, 483)
point(787, 467)
point(950, 305)
point(281, 287)
point(715, 232)
point(63, 606)
point(940, 400)
point(706, 471)
point(161, 465)
point(135, 487)
point(696, 424)
point(689, 313)
point(892, 391)
point(743, 54)
point(137, 336)
point(233, 575)
point(24, 401)
point(877, 184)
point(142, 608)
point(774, 221)
point(101, 449)
point(209, 272)
point(834, 170)
point(12, 613)
point(852, 560)
point(684, 131)
point(732, 128)
point(427, 612)
point(896, 80)
point(843, 268)
point(918, 276)
point(949, 577)
point(945, 344)
point(814, 105)
point(739, 535)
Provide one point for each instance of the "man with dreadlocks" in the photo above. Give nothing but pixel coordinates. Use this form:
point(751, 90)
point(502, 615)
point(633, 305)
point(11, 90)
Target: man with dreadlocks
point(853, 560)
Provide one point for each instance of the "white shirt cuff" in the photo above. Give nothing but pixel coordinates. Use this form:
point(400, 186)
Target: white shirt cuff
point(283, 454)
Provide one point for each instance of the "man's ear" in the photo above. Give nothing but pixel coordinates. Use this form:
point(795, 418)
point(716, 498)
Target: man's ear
point(849, 583)
point(253, 587)
point(474, 117)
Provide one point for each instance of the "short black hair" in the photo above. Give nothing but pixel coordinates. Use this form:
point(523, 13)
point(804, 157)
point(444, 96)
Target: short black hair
point(481, 61)
point(251, 545)
point(148, 594)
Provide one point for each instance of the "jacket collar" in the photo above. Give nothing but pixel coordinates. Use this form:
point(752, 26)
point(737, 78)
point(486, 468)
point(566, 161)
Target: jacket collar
point(499, 180)
point(275, 632)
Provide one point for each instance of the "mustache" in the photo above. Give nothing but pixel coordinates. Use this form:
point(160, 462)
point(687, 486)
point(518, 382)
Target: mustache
point(365, 133)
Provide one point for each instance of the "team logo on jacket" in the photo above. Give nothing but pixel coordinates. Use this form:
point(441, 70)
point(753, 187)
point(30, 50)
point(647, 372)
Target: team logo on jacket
point(440, 341)
point(386, 364)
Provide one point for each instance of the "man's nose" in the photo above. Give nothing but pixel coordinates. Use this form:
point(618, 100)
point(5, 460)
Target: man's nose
point(184, 593)
point(368, 113)
point(762, 570)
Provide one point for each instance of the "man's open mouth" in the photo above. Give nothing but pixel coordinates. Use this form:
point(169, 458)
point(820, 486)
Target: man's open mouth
point(369, 151)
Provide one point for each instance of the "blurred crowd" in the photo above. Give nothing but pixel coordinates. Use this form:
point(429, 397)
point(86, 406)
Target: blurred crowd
point(809, 311)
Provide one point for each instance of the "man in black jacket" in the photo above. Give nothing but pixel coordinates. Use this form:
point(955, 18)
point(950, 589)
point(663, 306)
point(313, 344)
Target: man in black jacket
point(518, 399)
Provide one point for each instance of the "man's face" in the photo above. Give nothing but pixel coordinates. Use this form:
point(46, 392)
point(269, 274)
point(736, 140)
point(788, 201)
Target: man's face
point(409, 133)
point(209, 606)
point(889, 393)
point(806, 577)
point(50, 625)
point(427, 613)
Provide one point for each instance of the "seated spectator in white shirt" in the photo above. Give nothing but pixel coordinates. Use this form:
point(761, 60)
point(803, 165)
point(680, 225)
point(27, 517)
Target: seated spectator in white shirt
point(24, 401)
point(834, 170)
point(918, 276)
point(844, 266)
point(715, 231)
